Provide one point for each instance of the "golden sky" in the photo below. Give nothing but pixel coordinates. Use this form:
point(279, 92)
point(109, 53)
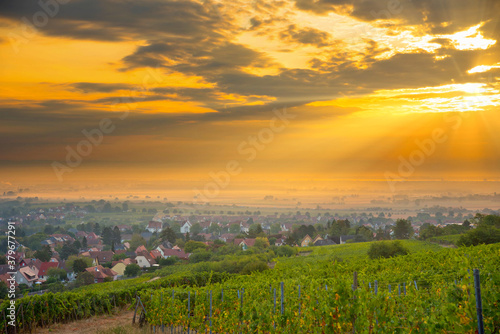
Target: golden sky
point(290, 90)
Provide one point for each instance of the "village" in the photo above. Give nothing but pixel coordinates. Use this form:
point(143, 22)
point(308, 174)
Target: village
point(50, 251)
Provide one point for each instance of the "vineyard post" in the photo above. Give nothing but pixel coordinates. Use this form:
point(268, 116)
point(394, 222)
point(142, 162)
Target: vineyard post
point(404, 287)
point(479, 303)
point(376, 287)
point(389, 288)
point(136, 306)
point(282, 297)
point(355, 279)
point(416, 287)
point(399, 289)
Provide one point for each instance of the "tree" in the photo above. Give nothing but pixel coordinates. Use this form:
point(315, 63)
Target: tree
point(48, 229)
point(255, 230)
point(79, 265)
point(254, 266)
point(84, 278)
point(4, 290)
point(125, 206)
point(107, 207)
point(137, 241)
point(196, 228)
point(58, 274)
point(132, 270)
point(234, 228)
point(364, 233)
point(192, 246)
point(84, 243)
point(386, 249)
point(97, 229)
point(67, 250)
point(107, 236)
point(214, 228)
point(200, 256)
point(117, 237)
point(118, 257)
point(403, 229)
point(45, 254)
point(275, 228)
point(486, 232)
point(261, 243)
point(168, 234)
point(339, 227)
point(171, 260)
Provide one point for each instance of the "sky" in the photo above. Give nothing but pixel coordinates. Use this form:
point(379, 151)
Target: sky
point(215, 94)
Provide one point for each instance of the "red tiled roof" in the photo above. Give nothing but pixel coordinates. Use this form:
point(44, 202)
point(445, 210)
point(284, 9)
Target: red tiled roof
point(44, 268)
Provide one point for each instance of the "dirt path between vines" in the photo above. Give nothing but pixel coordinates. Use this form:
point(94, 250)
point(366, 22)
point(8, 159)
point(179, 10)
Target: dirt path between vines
point(92, 325)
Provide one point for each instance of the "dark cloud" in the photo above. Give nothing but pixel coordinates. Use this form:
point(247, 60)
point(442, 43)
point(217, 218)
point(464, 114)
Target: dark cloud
point(437, 16)
point(115, 20)
point(93, 87)
point(310, 36)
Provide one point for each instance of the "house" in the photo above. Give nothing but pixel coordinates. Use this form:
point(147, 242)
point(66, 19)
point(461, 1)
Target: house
point(306, 241)
point(155, 227)
point(101, 257)
point(6, 278)
point(175, 252)
point(93, 239)
point(100, 273)
point(186, 227)
point(244, 243)
point(124, 228)
point(34, 264)
point(128, 261)
point(119, 268)
point(43, 273)
point(26, 276)
point(141, 249)
point(280, 241)
point(324, 243)
point(318, 238)
point(69, 271)
point(227, 236)
point(244, 227)
point(145, 260)
point(155, 253)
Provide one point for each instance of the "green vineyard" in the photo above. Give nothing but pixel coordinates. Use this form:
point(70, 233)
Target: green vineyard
point(431, 290)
